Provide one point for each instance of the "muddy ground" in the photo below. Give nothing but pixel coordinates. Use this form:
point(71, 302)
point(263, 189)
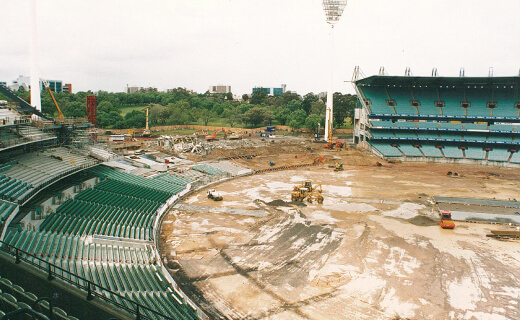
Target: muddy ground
point(372, 250)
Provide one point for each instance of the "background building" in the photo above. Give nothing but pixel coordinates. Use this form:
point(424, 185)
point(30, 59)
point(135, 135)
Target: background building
point(219, 89)
point(272, 91)
point(67, 88)
point(25, 83)
point(135, 89)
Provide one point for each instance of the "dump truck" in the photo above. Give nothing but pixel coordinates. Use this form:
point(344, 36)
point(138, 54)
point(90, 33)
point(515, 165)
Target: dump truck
point(446, 221)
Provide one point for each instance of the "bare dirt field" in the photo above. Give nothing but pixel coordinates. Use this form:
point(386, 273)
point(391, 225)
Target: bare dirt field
point(372, 250)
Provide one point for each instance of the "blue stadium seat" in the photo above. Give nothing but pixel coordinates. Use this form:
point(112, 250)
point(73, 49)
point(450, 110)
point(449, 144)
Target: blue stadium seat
point(431, 151)
point(475, 153)
point(452, 152)
point(410, 151)
point(386, 149)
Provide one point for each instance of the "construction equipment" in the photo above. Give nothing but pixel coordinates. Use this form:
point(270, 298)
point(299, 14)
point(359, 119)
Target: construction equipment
point(46, 86)
point(214, 195)
point(338, 166)
point(307, 191)
point(235, 135)
point(329, 145)
point(147, 132)
point(212, 136)
point(446, 221)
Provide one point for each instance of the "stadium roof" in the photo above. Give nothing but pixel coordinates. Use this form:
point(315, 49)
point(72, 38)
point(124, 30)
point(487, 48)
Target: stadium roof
point(437, 81)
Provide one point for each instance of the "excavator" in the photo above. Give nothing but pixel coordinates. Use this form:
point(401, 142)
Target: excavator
point(46, 86)
point(212, 137)
point(338, 166)
point(334, 144)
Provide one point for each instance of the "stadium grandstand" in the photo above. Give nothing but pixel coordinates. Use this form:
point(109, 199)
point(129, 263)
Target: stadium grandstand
point(80, 215)
point(89, 226)
point(445, 119)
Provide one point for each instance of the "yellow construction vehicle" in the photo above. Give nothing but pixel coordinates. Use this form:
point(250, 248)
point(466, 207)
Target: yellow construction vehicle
point(235, 135)
point(46, 86)
point(338, 166)
point(308, 185)
point(307, 191)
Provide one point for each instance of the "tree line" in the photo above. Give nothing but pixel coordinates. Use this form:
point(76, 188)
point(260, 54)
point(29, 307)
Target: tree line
point(179, 106)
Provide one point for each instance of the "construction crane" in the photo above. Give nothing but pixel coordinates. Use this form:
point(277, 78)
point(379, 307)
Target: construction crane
point(46, 86)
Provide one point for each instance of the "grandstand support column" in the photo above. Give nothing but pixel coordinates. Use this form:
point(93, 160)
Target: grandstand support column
point(35, 79)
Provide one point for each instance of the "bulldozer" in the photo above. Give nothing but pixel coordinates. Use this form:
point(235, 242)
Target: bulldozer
point(338, 166)
point(235, 135)
point(307, 191)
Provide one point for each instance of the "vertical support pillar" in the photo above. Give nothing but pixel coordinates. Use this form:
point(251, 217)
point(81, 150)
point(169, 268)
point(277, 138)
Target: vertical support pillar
point(89, 292)
point(17, 261)
point(138, 313)
point(50, 277)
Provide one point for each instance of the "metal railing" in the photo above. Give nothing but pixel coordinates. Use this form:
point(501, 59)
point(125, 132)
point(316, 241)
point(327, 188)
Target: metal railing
point(92, 290)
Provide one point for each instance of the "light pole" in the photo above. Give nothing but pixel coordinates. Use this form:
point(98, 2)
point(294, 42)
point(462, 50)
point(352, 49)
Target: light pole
point(35, 77)
point(333, 11)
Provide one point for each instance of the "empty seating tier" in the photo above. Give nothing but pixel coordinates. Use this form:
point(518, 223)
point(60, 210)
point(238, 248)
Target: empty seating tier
point(174, 179)
point(478, 114)
point(154, 184)
point(25, 174)
point(79, 217)
point(133, 190)
point(128, 271)
point(207, 169)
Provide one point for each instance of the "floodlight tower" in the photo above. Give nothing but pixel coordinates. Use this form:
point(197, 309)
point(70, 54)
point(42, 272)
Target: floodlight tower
point(333, 11)
point(35, 78)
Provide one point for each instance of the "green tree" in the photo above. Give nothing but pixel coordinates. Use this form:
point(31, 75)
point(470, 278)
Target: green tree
point(254, 116)
point(344, 105)
point(232, 115)
point(259, 96)
point(268, 117)
point(111, 120)
point(135, 119)
point(307, 101)
point(312, 121)
point(74, 109)
point(294, 105)
point(297, 119)
point(158, 114)
point(318, 107)
point(283, 115)
point(245, 97)
point(206, 116)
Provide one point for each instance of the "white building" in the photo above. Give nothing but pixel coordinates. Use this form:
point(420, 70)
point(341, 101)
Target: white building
point(219, 89)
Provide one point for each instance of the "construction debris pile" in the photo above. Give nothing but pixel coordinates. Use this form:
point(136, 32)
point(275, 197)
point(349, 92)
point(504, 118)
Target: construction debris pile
point(194, 144)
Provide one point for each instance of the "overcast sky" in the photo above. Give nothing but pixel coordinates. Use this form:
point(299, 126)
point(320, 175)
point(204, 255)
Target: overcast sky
point(108, 44)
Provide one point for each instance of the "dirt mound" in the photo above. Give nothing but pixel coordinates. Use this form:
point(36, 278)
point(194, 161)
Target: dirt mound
point(423, 221)
point(282, 203)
